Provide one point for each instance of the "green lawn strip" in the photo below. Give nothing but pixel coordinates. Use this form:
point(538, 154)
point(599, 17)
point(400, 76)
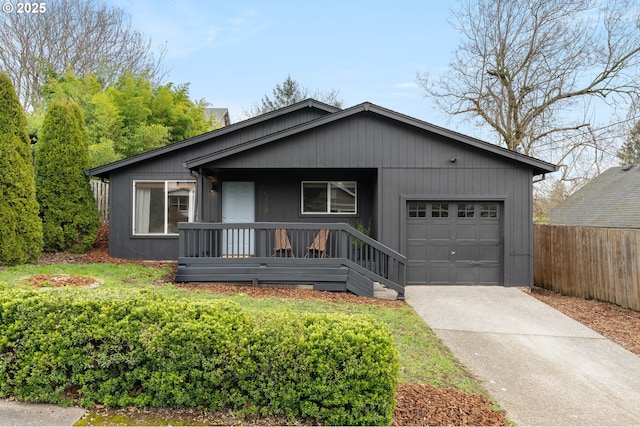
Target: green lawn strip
point(114, 275)
point(423, 358)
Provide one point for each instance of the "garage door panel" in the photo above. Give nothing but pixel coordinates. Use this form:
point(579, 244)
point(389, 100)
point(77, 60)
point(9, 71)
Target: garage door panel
point(439, 232)
point(465, 275)
point(466, 253)
point(488, 231)
point(465, 231)
point(462, 248)
point(489, 254)
point(416, 250)
point(489, 274)
point(438, 253)
point(439, 274)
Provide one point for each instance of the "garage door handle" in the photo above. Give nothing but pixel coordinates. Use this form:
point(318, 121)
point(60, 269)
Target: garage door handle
point(453, 253)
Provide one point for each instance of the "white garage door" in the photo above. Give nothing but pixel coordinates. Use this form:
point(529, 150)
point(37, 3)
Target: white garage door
point(456, 243)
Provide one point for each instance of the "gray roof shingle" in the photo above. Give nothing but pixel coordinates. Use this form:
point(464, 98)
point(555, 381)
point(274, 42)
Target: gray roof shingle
point(611, 200)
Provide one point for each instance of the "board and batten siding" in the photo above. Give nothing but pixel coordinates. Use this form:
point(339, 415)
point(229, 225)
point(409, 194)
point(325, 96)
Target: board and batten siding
point(411, 162)
point(396, 160)
point(170, 166)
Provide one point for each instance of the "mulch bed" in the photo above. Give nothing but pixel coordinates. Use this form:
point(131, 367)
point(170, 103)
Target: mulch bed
point(60, 280)
point(620, 325)
point(422, 405)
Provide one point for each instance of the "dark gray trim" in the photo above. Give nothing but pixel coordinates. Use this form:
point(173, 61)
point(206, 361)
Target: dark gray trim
point(103, 171)
point(539, 166)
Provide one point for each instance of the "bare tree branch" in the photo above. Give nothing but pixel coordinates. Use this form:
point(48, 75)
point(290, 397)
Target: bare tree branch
point(86, 36)
point(524, 64)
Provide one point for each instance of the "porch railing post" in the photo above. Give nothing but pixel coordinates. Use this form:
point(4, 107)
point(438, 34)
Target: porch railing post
point(344, 245)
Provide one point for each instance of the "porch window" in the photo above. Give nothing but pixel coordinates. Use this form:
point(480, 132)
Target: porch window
point(160, 205)
point(329, 197)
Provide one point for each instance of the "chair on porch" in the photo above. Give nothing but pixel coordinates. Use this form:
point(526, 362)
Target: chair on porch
point(318, 248)
point(282, 247)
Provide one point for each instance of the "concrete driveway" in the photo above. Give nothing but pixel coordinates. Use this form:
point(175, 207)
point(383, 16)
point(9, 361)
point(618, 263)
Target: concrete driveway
point(543, 367)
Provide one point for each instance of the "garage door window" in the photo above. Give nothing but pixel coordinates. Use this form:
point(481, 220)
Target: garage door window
point(417, 209)
point(488, 210)
point(466, 210)
point(440, 210)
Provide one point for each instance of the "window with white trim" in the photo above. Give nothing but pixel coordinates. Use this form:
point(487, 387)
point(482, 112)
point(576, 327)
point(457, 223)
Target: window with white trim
point(329, 197)
point(158, 206)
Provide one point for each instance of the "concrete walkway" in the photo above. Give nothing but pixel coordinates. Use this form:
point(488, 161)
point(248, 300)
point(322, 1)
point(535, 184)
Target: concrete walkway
point(29, 414)
point(543, 367)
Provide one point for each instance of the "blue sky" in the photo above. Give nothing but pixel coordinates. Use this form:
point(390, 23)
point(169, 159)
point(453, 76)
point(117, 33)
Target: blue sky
point(234, 52)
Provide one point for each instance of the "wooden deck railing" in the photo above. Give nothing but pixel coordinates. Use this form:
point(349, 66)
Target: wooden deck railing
point(305, 241)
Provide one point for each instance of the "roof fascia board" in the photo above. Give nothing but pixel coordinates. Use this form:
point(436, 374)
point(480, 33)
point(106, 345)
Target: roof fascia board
point(307, 103)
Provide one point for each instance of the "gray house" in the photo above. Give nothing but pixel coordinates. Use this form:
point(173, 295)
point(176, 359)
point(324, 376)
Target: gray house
point(610, 200)
point(337, 198)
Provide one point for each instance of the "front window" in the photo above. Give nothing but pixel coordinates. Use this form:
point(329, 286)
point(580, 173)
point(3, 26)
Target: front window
point(329, 197)
point(160, 205)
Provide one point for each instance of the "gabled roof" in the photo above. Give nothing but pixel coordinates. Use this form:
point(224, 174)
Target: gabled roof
point(610, 200)
point(539, 166)
point(308, 103)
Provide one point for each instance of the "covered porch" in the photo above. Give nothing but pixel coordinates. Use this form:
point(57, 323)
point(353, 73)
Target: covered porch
point(329, 256)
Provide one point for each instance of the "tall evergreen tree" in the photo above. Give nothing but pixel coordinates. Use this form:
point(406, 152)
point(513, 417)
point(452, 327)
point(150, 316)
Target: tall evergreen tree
point(288, 93)
point(630, 150)
point(20, 226)
point(69, 213)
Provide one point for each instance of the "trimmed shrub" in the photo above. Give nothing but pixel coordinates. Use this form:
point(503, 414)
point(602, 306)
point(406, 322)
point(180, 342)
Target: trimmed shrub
point(69, 213)
point(20, 225)
point(146, 350)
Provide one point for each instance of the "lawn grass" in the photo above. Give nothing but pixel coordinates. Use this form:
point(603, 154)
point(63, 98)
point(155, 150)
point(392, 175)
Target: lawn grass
point(423, 358)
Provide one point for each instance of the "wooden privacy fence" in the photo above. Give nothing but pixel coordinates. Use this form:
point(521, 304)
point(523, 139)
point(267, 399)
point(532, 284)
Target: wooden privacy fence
point(101, 194)
point(587, 262)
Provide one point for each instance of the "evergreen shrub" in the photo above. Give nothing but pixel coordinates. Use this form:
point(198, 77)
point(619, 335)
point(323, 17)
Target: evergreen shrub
point(20, 225)
point(69, 213)
point(151, 351)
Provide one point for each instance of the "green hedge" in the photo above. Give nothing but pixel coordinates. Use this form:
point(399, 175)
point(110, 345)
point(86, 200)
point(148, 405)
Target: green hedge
point(147, 350)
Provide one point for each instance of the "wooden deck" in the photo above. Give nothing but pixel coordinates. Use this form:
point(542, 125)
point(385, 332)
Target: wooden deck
point(332, 257)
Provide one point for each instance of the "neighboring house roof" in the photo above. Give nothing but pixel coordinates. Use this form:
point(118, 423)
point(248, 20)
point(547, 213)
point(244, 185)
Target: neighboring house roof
point(539, 167)
point(220, 116)
point(610, 200)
